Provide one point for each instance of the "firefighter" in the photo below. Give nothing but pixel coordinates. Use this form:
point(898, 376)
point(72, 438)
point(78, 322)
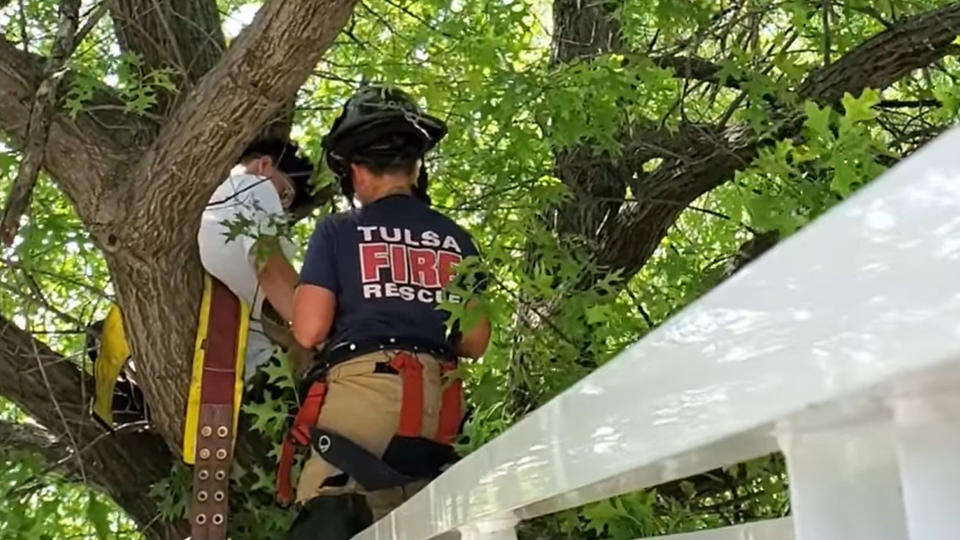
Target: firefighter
point(383, 404)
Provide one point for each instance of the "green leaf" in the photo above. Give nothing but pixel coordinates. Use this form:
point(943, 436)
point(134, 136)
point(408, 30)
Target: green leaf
point(790, 65)
point(861, 109)
point(279, 371)
point(845, 175)
point(173, 493)
point(98, 514)
point(266, 480)
point(268, 417)
point(598, 314)
point(818, 120)
point(599, 514)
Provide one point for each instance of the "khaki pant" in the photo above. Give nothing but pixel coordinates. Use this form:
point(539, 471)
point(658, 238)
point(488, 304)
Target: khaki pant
point(364, 407)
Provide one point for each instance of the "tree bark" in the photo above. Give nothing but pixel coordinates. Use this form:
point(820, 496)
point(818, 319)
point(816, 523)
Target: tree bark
point(143, 213)
point(584, 30)
point(31, 438)
point(81, 154)
point(38, 126)
point(888, 56)
point(183, 35)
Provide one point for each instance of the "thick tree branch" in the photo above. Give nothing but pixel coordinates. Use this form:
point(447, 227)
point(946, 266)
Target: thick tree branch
point(184, 35)
point(79, 153)
point(692, 67)
point(51, 390)
point(709, 156)
point(25, 362)
point(257, 76)
point(42, 112)
point(888, 56)
point(31, 438)
point(662, 195)
point(38, 126)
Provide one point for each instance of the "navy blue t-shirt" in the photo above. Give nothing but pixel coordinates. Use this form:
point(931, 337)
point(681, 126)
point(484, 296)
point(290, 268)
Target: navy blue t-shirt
point(387, 262)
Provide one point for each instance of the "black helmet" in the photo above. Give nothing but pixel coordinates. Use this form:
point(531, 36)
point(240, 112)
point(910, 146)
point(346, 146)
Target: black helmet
point(286, 158)
point(383, 126)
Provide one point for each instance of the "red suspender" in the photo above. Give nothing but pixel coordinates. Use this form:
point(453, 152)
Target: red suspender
point(411, 407)
point(299, 434)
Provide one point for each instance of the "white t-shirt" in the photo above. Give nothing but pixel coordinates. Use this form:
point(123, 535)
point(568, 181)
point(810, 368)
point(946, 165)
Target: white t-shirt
point(249, 207)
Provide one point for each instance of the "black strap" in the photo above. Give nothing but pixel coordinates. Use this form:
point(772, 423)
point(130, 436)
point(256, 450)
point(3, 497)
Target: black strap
point(367, 469)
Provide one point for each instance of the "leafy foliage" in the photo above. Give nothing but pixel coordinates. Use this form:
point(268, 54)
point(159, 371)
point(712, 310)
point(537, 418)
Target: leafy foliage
point(36, 505)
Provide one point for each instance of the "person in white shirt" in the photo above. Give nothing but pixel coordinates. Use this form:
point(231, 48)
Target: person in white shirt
point(242, 231)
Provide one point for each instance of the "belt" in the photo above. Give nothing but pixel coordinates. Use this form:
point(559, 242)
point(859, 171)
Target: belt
point(351, 349)
point(348, 350)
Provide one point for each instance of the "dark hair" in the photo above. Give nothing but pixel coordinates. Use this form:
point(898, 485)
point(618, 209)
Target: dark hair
point(380, 167)
point(286, 158)
point(283, 153)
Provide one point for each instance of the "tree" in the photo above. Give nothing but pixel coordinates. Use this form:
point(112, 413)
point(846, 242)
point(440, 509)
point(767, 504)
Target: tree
point(615, 160)
point(139, 182)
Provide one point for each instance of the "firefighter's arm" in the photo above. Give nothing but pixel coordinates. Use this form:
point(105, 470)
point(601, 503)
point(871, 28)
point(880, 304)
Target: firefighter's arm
point(473, 342)
point(275, 275)
point(313, 310)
